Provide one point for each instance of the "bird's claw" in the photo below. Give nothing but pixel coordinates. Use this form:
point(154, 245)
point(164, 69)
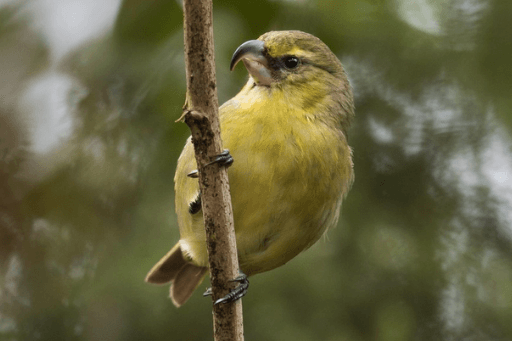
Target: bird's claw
point(238, 292)
point(195, 205)
point(235, 294)
point(194, 174)
point(224, 159)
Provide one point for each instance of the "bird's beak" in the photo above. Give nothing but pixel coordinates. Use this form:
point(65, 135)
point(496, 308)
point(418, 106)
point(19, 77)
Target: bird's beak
point(252, 54)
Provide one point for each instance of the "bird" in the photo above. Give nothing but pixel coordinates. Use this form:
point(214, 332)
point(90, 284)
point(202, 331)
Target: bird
point(286, 131)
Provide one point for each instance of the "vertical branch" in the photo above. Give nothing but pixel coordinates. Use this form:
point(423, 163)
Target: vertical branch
point(202, 118)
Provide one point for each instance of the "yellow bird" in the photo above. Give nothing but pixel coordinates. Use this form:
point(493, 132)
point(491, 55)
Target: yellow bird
point(287, 133)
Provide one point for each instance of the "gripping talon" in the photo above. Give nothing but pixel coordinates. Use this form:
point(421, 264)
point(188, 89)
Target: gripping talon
point(194, 174)
point(224, 159)
point(208, 292)
point(195, 205)
point(238, 292)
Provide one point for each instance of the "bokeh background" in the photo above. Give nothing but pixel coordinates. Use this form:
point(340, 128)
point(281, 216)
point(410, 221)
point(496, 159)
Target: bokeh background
point(90, 90)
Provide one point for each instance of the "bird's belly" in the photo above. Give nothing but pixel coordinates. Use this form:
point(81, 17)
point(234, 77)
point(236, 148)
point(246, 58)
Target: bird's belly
point(286, 188)
point(283, 200)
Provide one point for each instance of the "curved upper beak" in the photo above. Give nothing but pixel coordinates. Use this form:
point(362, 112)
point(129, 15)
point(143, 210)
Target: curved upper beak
point(252, 54)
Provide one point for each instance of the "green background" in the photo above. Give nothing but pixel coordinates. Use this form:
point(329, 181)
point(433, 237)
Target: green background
point(88, 149)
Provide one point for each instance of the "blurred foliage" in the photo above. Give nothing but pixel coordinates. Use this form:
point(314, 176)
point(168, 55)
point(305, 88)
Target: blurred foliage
point(423, 248)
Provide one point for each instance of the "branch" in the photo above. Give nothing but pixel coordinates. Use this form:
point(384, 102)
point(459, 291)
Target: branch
point(201, 115)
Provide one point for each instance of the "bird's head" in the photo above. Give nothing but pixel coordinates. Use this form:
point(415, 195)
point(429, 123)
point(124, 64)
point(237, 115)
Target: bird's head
point(300, 65)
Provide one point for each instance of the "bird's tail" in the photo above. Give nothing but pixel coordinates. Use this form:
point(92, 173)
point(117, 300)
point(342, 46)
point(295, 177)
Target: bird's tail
point(185, 276)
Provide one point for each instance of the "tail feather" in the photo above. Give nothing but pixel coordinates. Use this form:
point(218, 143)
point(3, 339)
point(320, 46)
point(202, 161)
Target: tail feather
point(167, 268)
point(187, 280)
point(185, 276)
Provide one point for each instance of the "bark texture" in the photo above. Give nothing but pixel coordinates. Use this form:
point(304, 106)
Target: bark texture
point(202, 118)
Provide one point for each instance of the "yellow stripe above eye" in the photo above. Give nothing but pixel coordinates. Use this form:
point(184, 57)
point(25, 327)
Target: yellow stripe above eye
point(294, 51)
point(282, 50)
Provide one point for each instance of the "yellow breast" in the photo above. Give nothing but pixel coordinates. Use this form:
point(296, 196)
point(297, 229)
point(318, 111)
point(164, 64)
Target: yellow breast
point(290, 173)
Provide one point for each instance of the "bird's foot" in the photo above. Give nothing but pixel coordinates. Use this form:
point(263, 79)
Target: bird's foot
point(235, 294)
point(195, 205)
point(238, 292)
point(194, 174)
point(223, 159)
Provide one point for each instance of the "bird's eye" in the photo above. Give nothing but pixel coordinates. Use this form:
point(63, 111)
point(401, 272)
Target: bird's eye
point(291, 62)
